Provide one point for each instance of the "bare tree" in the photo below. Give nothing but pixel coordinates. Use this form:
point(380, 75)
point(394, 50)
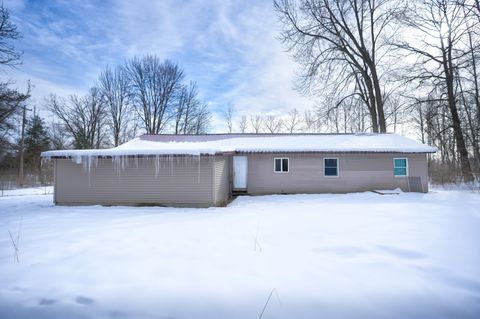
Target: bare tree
point(186, 101)
point(341, 42)
point(191, 116)
point(256, 121)
point(202, 120)
point(439, 55)
point(57, 136)
point(273, 124)
point(242, 124)
point(347, 116)
point(8, 32)
point(82, 117)
point(11, 102)
point(311, 122)
point(154, 85)
point(293, 121)
point(114, 90)
point(229, 118)
point(471, 76)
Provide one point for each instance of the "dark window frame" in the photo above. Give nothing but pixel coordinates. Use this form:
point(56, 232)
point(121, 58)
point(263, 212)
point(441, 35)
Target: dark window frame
point(282, 161)
point(325, 167)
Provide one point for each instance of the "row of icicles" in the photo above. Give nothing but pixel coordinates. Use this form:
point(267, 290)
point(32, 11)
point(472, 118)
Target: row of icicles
point(158, 163)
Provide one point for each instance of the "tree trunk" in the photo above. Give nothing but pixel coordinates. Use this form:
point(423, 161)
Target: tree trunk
point(456, 123)
point(116, 136)
point(475, 131)
point(473, 135)
point(370, 101)
point(378, 101)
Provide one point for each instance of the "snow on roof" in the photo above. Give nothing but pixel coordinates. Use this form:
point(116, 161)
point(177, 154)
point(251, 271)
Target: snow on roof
point(209, 144)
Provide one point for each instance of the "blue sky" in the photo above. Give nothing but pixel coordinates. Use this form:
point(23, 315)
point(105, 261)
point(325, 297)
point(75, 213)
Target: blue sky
point(229, 47)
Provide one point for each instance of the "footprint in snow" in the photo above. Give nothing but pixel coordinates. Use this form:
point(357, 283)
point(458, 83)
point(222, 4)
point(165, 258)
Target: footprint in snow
point(402, 253)
point(344, 251)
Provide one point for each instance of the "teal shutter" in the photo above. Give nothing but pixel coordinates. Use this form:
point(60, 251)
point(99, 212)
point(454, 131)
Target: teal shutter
point(400, 167)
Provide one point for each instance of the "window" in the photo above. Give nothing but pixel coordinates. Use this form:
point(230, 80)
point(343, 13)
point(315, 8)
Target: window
point(400, 167)
point(330, 166)
point(281, 165)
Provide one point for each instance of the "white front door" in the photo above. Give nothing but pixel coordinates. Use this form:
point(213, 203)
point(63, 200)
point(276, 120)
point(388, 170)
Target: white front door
point(240, 165)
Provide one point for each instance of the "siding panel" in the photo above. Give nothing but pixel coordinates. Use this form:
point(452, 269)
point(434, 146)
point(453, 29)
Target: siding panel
point(222, 184)
point(357, 172)
point(179, 181)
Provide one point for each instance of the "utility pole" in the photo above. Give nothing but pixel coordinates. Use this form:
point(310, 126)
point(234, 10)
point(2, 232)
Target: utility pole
point(21, 174)
point(22, 147)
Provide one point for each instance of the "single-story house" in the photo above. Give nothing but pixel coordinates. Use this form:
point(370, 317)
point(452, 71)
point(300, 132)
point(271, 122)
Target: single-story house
point(206, 170)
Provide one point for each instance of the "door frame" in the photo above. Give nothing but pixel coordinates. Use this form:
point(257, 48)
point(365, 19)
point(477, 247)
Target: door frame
point(233, 172)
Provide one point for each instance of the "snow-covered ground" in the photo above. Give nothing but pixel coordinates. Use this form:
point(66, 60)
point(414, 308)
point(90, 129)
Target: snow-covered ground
point(43, 190)
point(323, 256)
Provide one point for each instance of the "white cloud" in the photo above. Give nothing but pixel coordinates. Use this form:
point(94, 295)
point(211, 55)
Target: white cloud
point(262, 81)
point(14, 4)
point(228, 47)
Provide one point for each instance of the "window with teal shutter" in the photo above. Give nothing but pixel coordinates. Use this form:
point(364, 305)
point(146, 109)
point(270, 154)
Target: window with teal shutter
point(400, 166)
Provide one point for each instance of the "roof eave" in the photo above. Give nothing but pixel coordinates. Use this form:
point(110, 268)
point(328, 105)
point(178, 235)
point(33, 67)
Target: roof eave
point(70, 156)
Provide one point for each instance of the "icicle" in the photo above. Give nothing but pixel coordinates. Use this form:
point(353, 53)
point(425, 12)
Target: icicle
point(88, 163)
point(157, 165)
point(84, 164)
point(117, 160)
point(89, 168)
point(44, 160)
point(124, 162)
point(114, 162)
point(198, 175)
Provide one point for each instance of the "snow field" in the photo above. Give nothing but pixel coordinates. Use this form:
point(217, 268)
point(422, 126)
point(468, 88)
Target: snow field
point(324, 256)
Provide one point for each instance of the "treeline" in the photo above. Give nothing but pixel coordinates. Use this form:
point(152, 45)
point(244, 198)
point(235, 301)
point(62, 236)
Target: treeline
point(143, 95)
point(369, 65)
point(379, 63)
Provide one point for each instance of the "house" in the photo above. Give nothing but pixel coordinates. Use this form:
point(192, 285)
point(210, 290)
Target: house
point(206, 170)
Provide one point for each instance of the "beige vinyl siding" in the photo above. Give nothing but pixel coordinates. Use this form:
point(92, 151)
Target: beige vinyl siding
point(55, 181)
point(356, 172)
point(183, 181)
point(221, 180)
point(206, 180)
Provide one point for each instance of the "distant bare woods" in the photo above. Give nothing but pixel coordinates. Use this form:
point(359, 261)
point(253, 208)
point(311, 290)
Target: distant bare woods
point(374, 64)
point(143, 95)
point(367, 65)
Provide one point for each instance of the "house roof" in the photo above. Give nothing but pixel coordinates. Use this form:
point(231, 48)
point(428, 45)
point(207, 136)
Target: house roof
point(209, 144)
